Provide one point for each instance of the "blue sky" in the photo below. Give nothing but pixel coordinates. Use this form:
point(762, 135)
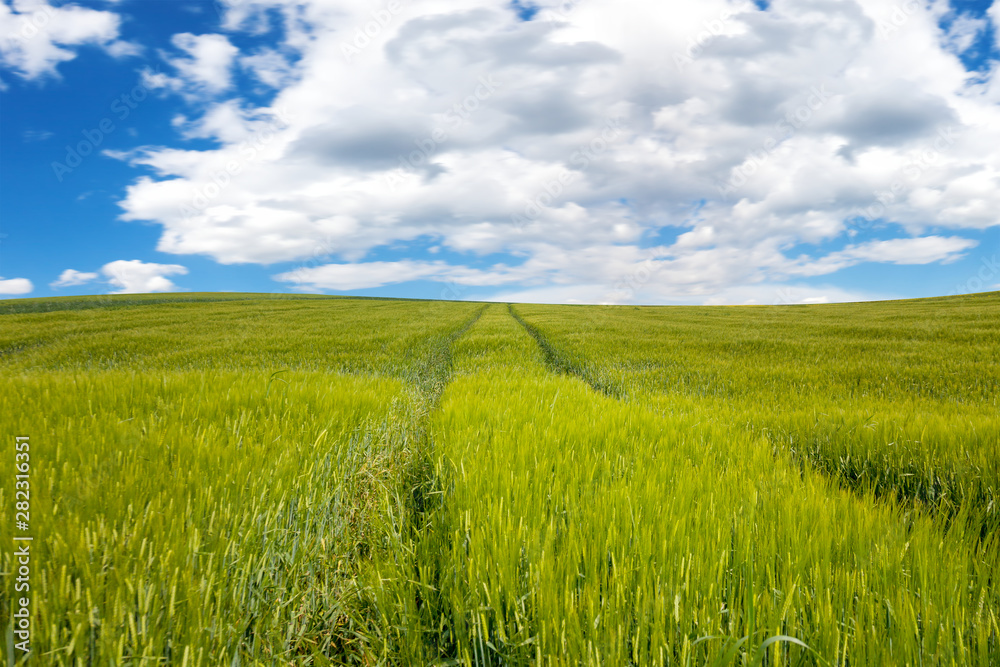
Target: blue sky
point(580, 152)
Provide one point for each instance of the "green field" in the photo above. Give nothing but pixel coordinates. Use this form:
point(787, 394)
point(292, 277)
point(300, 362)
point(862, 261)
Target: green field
point(249, 479)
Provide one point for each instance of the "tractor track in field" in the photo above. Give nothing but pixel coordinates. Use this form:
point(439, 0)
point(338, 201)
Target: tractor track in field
point(420, 495)
point(430, 381)
point(436, 371)
point(559, 363)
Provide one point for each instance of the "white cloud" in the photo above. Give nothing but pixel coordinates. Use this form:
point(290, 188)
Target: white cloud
point(269, 66)
point(963, 31)
point(123, 49)
point(205, 67)
point(135, 276)
point(16, 286)
point(72, 278)
point(745, 295)
point(573, 294)
point(778, 294)
point(366, 275)
point(359, 276)
point(924, 250)
point(571, 144)
point(625, 274)
point(36, 36)
point(994, 13)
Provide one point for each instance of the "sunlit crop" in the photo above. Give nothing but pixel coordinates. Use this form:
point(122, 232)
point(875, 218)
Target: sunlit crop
point(338, 481)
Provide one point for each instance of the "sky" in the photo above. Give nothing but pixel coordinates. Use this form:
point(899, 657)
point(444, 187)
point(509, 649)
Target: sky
point(561, 151)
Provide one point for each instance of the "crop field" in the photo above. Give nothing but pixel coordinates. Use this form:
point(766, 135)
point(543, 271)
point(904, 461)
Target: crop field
point(247, 479)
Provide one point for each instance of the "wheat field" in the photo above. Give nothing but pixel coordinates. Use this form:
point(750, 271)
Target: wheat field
point(247, 479)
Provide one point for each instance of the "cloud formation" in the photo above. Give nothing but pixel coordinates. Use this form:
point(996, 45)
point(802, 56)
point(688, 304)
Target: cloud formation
point(204, 68)
point(135, 276)
point(16, 286)
point(36, 36)
point(73, 278)
point(710, 145)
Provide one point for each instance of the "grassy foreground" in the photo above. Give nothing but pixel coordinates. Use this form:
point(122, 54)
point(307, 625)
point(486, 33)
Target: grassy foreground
point(338, 481)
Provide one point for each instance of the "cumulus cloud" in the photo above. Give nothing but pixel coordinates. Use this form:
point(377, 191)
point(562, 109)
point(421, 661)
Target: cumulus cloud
point(573, 144)
point(16, 286)
point(204, 68)
point(135, 276)
point(36, 36)
point(72, 278)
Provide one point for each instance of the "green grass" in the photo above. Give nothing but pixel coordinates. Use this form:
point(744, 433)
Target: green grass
point(342, 481)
